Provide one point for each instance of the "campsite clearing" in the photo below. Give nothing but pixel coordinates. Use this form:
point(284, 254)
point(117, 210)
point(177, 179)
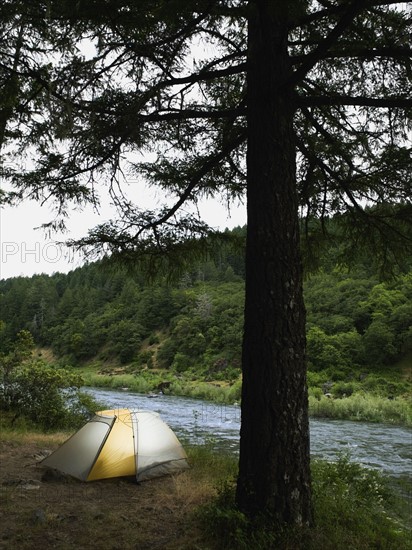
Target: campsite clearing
point(166, 513)
point(111, 514)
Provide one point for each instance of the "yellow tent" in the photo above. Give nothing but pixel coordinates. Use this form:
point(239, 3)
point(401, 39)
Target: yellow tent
point(120, 443)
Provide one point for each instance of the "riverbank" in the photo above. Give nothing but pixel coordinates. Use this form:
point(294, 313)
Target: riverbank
point(188, 511)
point(359, 406)
point(363, 408)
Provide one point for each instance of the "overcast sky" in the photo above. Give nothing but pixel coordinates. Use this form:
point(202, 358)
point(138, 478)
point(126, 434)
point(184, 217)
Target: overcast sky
point(26, 251)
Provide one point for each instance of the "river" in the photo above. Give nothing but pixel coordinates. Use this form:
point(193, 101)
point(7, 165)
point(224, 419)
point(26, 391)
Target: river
point(380, 446)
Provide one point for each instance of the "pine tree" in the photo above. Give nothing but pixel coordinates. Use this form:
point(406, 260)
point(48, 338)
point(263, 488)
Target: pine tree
point(301, 107)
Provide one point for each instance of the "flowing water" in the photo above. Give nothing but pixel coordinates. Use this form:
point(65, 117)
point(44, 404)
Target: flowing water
point(380, 446)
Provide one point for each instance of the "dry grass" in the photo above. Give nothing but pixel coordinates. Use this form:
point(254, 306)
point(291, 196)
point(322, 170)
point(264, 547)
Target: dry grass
point(109, 514)
point(119, 514)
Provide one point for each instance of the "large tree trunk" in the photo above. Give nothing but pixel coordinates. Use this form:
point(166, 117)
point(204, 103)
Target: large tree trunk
point(274, 471)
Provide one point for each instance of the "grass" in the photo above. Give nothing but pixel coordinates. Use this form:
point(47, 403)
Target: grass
point(20, 430)
point(361, 407)
point(112, 514)
point(150, 380)
point(355, 508)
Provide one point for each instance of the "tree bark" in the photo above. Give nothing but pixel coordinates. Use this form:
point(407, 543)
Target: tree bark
point(274, 469)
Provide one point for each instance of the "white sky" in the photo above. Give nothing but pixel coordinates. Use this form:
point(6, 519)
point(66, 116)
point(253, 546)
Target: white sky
point(27, 251)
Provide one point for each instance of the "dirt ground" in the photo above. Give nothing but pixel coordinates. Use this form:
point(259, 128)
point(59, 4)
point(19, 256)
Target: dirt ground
point(39, 513)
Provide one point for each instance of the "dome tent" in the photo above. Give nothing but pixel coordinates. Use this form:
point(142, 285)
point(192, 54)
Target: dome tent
point(119, 443)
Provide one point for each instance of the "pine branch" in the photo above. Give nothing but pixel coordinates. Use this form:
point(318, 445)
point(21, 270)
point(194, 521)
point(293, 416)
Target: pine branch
point(202, 75)
point(360, 101)
point(195, 180)
point(367, 53)
point(317, 15)
point(191, 114)
point(313, 57)
point(330, 173)
point(333, 10)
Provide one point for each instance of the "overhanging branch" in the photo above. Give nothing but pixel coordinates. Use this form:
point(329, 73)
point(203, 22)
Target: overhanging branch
point(191, 114)
point(203, 75)
point(332, 10)
point(195, 180)
point(313, 57)
point(366, 53)
point(360, 101)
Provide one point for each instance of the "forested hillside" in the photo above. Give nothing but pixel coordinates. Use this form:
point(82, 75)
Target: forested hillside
point(356, 324)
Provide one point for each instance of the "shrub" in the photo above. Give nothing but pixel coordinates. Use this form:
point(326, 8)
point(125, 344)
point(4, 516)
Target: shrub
point(166, 353)
point(351, 505)
point(347, 496)
point(145, 357)
point(316, 393)
point(46, 395)
point(181, 362)
point(223, 521)
point(343, 389)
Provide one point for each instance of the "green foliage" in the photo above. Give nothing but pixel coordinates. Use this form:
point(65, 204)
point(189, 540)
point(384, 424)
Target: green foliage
point(379, 342)
point(357, 328)
point(10, 360)
point(348, 483)
point(96, 311)
point(143, 382)
point(15, 353)
point(367, 408)
point(48, 396)
point(124, 339)
point(351, 506)
point(354, 508)
point(357, 322)
point(223, 522)
point(166, 353)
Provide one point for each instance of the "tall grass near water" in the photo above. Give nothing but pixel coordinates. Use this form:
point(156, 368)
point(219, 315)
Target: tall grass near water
point(360, 406)
point(365, 408)
point(152, 381)
point(119, 381)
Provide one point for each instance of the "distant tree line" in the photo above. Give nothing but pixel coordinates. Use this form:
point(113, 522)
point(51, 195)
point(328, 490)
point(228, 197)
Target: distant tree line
point(195, 323)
